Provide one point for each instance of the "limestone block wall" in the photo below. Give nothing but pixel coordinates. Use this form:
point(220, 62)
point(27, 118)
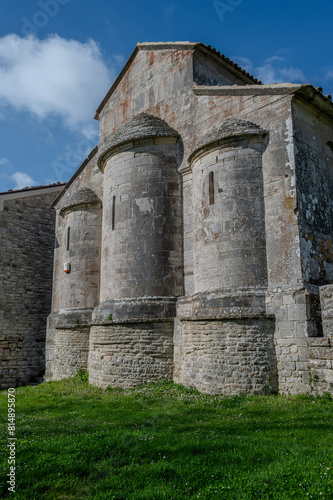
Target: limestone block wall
point(207, 71)
point(227, 356)
point(326, 300)
point(26, 262)
point(125, 355)
point(78, 211)
point(293, 298)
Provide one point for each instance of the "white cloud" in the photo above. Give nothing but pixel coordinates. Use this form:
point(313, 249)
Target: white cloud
point(4, 161)
point(267, 74)
point(274, 58)
point(55, 76)
point(272, 72)
point(22, 180)
point(293, 74)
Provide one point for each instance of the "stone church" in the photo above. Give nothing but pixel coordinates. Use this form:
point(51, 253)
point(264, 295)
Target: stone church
point(195, 242)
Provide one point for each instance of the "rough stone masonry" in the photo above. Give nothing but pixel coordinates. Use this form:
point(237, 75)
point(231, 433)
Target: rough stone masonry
point(26, 262)
point(195, 241)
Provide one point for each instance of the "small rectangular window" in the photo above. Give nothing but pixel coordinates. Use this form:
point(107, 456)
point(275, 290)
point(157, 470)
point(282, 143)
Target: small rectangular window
point(113, 212)
point(211, 188)
point(68, 236)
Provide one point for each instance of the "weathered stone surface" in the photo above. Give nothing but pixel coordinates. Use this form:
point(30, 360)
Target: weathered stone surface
point(321, 348)
point(126, 355)
point(228, 199)
point(78, 243)
point(26, 262)
point(142, 240)
point(228, 356)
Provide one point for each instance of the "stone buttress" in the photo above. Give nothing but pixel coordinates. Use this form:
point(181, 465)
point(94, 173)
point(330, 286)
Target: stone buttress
point(75, 284)
point(141, 266)
point(226, 338)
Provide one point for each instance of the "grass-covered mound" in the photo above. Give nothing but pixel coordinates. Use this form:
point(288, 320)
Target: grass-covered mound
point(163, 441)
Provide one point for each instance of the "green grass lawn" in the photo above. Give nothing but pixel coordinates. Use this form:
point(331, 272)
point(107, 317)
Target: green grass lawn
point(165, 441)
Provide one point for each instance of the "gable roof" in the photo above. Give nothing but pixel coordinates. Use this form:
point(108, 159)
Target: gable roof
point(206, 49)
point(51, 187)
point(28, 192)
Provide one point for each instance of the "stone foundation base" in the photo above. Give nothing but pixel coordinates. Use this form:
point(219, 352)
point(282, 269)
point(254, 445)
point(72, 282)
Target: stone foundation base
point(227, 356)
point(70, 352)
point(126, 355)
point(248, 354)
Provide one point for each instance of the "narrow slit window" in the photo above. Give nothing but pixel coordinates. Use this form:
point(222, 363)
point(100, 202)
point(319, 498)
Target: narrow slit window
point(68, 237)
point(211, 188)
point(113, 212)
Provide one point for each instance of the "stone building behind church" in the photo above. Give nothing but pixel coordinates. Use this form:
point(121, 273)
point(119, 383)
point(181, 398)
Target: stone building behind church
point(26, 261)
point(195, 241)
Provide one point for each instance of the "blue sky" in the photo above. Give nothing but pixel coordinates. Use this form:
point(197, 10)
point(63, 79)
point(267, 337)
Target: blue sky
point(58, 58)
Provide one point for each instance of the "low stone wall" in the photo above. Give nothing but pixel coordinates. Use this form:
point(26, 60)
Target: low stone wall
point(228, 356)
point(126, 355)
point(71, 348)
